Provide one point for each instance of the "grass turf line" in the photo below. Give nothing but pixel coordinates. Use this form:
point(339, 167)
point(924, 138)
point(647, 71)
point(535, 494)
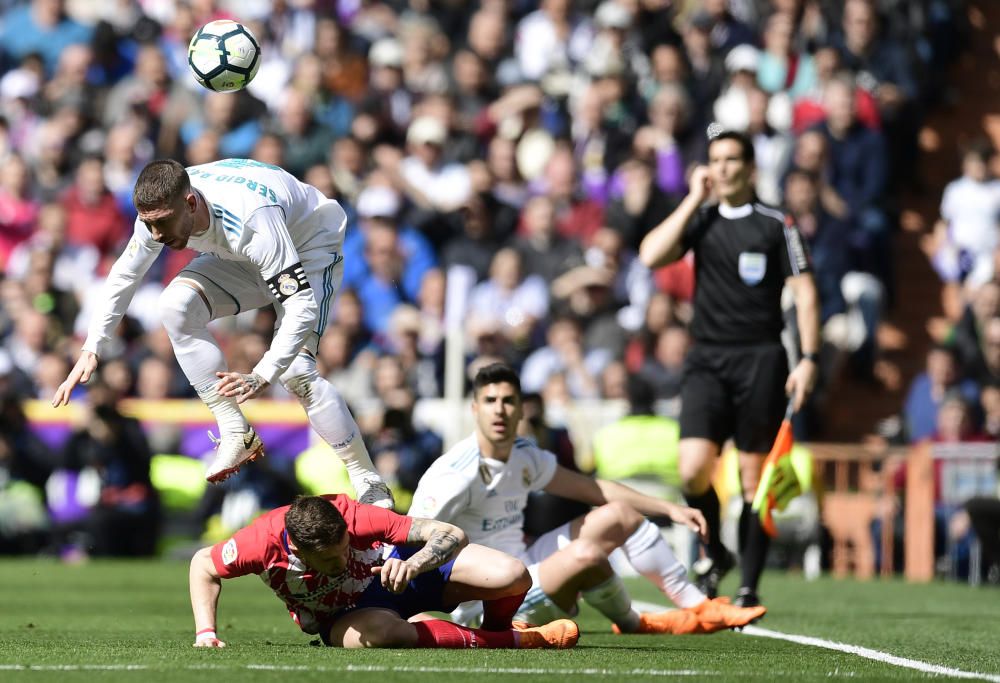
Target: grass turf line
point(136, 614)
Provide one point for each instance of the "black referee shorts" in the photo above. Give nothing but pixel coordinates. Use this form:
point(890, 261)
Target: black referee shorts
point(734, 391)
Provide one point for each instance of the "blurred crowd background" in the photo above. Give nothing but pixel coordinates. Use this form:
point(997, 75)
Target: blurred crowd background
point(509, 153)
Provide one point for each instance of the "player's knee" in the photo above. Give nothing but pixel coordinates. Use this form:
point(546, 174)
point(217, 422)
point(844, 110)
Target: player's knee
point(695, 474)
point(628, 517)
point(618, 520)
point(300, 375)
point(182, 309)
point(513, 575)
point(587, 555)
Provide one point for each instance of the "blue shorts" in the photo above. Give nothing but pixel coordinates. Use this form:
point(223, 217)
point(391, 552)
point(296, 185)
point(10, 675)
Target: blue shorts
point(423, 594)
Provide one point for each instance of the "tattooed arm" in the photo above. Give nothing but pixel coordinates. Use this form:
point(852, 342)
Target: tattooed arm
point(441, 542)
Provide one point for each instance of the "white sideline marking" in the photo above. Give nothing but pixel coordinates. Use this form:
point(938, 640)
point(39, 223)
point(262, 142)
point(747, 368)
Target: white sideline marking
point(868, 653)
point(858, 650)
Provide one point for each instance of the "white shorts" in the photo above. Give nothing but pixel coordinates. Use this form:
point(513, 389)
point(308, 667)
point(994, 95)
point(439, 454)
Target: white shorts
point(537, 608)
point(231, 287)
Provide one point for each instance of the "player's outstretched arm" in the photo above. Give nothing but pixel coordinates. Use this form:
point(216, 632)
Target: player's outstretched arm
point(206, 585)
point(81, 373)
point(576, 486)
point(441, 542)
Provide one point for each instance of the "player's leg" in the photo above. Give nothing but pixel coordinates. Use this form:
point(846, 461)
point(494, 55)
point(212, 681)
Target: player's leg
point(754, 541)
point(653, 558)
point(497, 579)
point(760, 405)
point(572, 560)
point(706, 415)
point(325, 407)
point(330, 418)
point(208, 289)
point(372, 628)
point(384, 626)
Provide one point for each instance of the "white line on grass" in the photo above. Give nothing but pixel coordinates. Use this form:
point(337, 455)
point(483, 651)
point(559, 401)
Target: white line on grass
point(865, 652)
point(868, 653)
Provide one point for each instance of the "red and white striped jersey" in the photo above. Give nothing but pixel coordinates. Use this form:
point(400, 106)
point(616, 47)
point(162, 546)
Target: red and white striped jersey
point(313, 599)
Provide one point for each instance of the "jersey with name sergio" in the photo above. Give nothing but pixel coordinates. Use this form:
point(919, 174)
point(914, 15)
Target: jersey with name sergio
point(259, 213)
point(313, 599)
point(482, 496)
point(743, 255)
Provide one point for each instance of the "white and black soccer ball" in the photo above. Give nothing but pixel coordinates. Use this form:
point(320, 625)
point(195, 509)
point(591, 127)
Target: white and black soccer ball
point(224, 55)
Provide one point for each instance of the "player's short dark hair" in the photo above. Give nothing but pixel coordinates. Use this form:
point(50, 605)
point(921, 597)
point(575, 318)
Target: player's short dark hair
point(640, 394)
point(159, 184)
point(496, 373)
point(746, 144)
point(314, 524)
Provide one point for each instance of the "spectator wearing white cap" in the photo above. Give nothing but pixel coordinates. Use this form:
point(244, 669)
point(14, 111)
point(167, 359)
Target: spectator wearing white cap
point(616, 38)
point(435, 187)
point(378, 209)
point(732, 109)
point(387, 109)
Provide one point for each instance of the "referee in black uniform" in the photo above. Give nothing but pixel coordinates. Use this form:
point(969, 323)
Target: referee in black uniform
point(736, 378)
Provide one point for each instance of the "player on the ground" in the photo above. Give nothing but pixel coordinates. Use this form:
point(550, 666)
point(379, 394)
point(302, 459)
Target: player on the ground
point(326, 557)
point(482, 486)
point(265, 239)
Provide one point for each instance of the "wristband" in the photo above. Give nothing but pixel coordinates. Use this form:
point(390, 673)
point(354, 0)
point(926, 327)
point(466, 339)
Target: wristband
point(205, 634)
point(813, 356)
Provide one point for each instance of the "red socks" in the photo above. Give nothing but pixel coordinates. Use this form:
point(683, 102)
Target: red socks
point(440, 633)
point(498, 613)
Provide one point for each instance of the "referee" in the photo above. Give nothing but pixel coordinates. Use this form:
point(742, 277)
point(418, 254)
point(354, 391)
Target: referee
point(736, 381)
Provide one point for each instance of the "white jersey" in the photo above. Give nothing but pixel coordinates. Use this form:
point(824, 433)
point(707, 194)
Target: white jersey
point(259, 214)
point(484, 497)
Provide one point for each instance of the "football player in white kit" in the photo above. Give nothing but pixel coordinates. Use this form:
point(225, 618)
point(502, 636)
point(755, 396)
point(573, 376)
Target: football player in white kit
point(265, 239)
point(481, 485)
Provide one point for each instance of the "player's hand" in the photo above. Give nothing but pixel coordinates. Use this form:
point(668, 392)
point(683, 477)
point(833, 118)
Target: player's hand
point(208, 639)
point(243, 387)
point(691, 518)
point(80, 374)
point(700, 183)
point(800, 382)
point(395, 574)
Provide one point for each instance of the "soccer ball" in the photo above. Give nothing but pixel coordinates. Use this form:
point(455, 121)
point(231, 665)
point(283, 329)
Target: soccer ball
point(224, 55)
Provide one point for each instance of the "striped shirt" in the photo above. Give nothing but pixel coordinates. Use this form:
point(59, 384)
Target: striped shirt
point(313, 599)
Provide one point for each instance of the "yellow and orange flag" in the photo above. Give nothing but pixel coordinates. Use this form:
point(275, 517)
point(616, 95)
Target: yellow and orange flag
point(779, 483)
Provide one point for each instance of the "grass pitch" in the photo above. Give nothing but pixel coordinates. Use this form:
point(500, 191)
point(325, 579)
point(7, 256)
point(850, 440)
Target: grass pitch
point(131, 621)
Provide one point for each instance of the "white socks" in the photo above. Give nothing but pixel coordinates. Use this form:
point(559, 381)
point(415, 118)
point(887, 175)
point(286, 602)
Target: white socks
point(613, 601)
point(185, 317)
point(652, 557)
point(329, 416)
point(226, 410)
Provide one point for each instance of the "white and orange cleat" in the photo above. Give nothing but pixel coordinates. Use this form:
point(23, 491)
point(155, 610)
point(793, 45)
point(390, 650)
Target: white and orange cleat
point(718, 614)
point(560, 634)
point(675, 622)
point(232, 451)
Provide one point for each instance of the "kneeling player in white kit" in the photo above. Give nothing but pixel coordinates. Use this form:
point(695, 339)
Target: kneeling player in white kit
point(265, 239)
point(481, 485)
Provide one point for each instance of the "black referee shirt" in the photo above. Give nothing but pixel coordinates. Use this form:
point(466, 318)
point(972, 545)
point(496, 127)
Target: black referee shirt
point(742, 256)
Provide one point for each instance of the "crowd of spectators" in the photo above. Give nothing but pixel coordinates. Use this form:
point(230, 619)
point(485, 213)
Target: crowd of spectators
point(522, 146)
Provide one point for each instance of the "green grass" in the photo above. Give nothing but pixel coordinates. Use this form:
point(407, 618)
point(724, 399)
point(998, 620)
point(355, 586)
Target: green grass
point(136, 614)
